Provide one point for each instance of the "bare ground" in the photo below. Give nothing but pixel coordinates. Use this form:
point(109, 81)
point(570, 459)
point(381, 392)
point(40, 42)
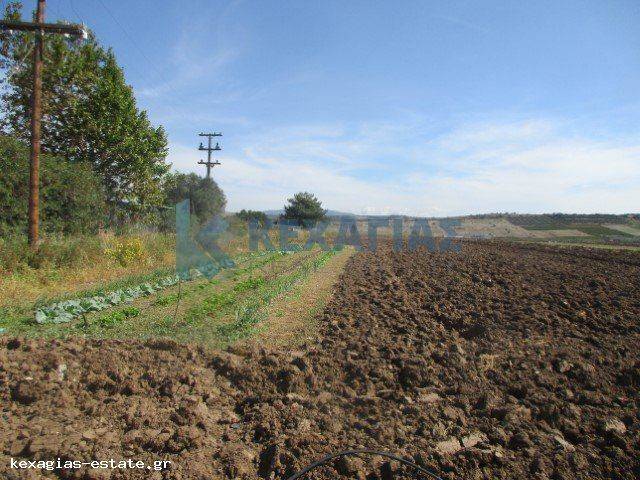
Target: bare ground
point(499, 362)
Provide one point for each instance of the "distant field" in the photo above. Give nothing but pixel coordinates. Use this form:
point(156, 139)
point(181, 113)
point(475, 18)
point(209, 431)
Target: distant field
point(602, 231)
point(550, 226)
point(495, 227)
point(621, 231)
point(564, 221)
point(552, 233)
point(631, 230)
point(564, 227)
point(631, 248)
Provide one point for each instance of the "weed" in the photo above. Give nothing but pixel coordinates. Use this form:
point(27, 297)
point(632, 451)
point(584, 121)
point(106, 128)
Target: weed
point(111, 319)
point(249, 284)
point(126, 251)
point(53, 252)
point(218, 300)
point(246, 318)
point(211, 305)
point(166, 300)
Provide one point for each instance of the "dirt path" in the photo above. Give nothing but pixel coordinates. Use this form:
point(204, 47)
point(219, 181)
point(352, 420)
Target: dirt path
point(292, 318)
point(499, 362)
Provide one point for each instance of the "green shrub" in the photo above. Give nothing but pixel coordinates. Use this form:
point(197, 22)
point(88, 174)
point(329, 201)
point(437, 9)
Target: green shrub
point(248, 216)
point(56, 251)
point(205, 196)
point(218, 300)
point(72, 200)
point(304, 209)
point(166, 300)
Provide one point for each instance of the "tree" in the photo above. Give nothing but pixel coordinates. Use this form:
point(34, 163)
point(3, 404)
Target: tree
point(206, 198)
point(72, 194)
point(109, 132)
point(304, 208)
point(253, 215)
point(89, 113)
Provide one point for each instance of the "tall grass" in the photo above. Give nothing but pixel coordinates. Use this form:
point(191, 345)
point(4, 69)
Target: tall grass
point(53, 252)
point(64, 265)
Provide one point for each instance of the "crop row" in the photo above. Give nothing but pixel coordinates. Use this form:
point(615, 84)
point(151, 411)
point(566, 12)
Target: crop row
point(250, 314)
point(67, 310)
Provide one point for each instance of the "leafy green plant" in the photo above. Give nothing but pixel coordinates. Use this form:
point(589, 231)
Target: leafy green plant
point(166, 300)
point(113, 318)
point(66, 311)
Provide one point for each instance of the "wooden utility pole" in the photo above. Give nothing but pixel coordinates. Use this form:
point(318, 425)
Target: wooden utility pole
point(36, 117)
point(39, 28)
point(209, 149)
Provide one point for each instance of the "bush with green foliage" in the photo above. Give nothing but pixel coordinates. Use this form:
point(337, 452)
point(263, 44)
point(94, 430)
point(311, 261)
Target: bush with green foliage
point(252, 215)
point(305, 209)
point(112, 319)
point(72, 199)
point(126, 251)
point(206, 198)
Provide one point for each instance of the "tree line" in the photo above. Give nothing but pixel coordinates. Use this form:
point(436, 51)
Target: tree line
point(101, 153)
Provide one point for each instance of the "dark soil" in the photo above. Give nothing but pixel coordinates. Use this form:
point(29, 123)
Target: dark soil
point(502, 361)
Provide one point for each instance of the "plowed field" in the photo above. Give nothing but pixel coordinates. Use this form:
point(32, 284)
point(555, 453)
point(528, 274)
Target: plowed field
point(498, 362)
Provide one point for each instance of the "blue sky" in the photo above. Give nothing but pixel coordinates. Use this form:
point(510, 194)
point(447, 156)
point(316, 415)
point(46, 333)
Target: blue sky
point(416, 107)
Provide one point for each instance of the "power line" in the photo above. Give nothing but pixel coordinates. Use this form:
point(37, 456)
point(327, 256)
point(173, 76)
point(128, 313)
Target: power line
point(135, 44)
point(73, 7)
point(14, 70)
point(57, 9)
point(131, 39)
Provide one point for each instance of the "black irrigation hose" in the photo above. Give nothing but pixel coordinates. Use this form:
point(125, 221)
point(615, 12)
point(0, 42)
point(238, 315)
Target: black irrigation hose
point(333, 456)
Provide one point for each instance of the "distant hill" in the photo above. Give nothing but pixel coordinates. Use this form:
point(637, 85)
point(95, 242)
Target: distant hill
point(330, 213)
point(568, 228)
point(526, 220)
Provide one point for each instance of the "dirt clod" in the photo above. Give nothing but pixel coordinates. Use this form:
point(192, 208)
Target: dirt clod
point(533, 374)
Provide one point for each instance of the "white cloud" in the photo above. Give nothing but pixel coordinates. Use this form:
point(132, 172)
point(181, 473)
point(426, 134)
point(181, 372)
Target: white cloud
point(189, 70)
point(497, 134)
point(528, 165)
point(200, 53)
